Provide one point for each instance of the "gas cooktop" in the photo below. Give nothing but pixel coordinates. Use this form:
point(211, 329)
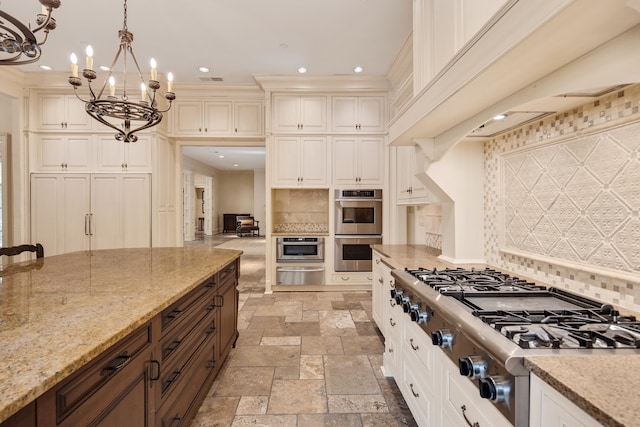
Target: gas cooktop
point(531, 315)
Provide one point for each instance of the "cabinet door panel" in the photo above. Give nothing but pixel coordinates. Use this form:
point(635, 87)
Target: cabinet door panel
point(138, 155)
point(110, 153)
point(345, 160)
point(136, 211)
point(76, 116)
point(105, 212)
point(187, 118)
point(73, 212)
point(344, 114)
point(218, 118)
point(248, 119)
point(313, 113)
point(313, 160)
point(371, 166)
point(285, 113)
point(286, 153)
point(371, 114)
point(51, 108)
point(51, 152)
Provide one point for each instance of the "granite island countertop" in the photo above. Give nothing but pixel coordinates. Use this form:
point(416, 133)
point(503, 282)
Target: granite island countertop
point(57, 313)
point(604, 386)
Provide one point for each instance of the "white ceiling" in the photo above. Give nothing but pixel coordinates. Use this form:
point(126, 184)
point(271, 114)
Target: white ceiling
point(234, 38)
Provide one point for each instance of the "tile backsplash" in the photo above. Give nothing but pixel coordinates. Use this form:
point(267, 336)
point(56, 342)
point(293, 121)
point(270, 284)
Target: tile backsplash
point(300, 210)
point(562, 199)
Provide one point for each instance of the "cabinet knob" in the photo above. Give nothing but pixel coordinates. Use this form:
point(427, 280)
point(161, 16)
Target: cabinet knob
point(205, 129)
point(236, 130)
point(199, 129)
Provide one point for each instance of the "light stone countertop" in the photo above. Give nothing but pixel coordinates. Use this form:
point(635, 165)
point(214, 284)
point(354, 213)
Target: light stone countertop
point(57, 313)
point(605, 387)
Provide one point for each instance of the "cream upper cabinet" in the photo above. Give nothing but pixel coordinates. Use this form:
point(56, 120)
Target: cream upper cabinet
point(62, 153)
point(217, 118)
point(358, 160)
point(61, 112)
point(300, 161)
point(409, 188)
point(248, 118)
point(358, 114)
point(299, 114)
point(118, 156)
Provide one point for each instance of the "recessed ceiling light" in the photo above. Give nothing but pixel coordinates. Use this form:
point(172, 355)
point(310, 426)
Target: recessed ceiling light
point(302, 70)
point(104, 68)
point(358, 69)
point(284, 45)
point(236, 165)
point(221, 156)
point(46, 67)
point(203, 69)
point(499, 117)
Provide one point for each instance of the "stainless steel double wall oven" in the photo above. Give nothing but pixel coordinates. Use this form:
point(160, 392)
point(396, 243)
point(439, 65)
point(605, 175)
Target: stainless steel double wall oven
point(358, 225)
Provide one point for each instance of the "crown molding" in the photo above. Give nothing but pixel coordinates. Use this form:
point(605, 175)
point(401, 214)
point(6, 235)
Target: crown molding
point(322, 83)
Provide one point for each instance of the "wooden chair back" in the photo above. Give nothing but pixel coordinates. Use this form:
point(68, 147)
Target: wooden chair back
point(17, 250)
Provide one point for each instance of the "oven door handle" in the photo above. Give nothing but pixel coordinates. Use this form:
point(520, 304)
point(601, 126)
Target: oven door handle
point(358, 236)
point(310, 269)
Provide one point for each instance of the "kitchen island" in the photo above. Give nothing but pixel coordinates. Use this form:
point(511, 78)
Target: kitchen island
point(57, 314)
point(603, 386)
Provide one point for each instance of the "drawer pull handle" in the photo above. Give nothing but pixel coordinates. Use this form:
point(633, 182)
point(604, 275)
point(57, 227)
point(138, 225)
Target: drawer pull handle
point(464, 414)
point(116, 364)
point(221, 300)
point(380, 280)
point(377, 260)
point(173, 314)
point(212, 364)
point(392, 302)
point(173, 378)
point(415, 347)
point(171, 348)
point(211, 284)
point(413, 392)
point(392, 283)
point(157, 376)
point(392, 322)
point(175, 422)
point(211, 330)
point(211, 307)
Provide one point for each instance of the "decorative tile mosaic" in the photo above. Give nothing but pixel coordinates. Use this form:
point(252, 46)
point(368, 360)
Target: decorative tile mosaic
point(568, 188)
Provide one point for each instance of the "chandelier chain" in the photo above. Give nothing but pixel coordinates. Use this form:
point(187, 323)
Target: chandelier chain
point(124, 27)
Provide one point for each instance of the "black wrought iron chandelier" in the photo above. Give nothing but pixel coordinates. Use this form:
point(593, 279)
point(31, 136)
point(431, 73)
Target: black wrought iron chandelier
point(119, 112)
point(18, 42)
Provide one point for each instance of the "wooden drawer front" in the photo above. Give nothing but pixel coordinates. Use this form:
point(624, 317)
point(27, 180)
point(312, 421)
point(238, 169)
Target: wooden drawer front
point(176, 314)
point(229, 272)
point(106, 367)
point(182, 403)
point(174, 371)
point(175, 339)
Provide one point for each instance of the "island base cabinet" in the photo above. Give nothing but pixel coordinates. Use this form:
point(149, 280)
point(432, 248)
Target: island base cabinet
point(111, 391)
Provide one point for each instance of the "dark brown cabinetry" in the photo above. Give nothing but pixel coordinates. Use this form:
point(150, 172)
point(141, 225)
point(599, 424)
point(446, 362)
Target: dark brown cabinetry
point(156, 376)
point(112, 390)
point(229, 221)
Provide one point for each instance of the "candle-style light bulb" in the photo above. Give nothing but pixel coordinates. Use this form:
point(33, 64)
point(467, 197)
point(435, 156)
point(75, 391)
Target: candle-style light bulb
point(154, 71)
point(44, 10)
point(74, 65)
point(143, 92)
point(170, 82)
point(89, 57)
point(112, 86)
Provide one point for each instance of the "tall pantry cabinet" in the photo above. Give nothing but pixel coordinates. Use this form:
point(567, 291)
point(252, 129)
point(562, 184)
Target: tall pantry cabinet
point(88, 190)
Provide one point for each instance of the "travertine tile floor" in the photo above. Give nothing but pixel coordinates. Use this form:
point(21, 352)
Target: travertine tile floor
point(302, 358)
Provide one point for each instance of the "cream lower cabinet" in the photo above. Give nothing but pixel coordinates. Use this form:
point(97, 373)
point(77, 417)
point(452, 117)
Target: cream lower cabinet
point(358, 160)
point(549, 408)
point(300, 161)
point(381, 291)
point(73, 212)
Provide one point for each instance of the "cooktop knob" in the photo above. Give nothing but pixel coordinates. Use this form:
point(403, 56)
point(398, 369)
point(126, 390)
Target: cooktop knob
point(400, 300)
point(394, 292)
point(442, 338)
point(495, 388)
point(408, 306)
point(473, 367)
point(418, 316)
